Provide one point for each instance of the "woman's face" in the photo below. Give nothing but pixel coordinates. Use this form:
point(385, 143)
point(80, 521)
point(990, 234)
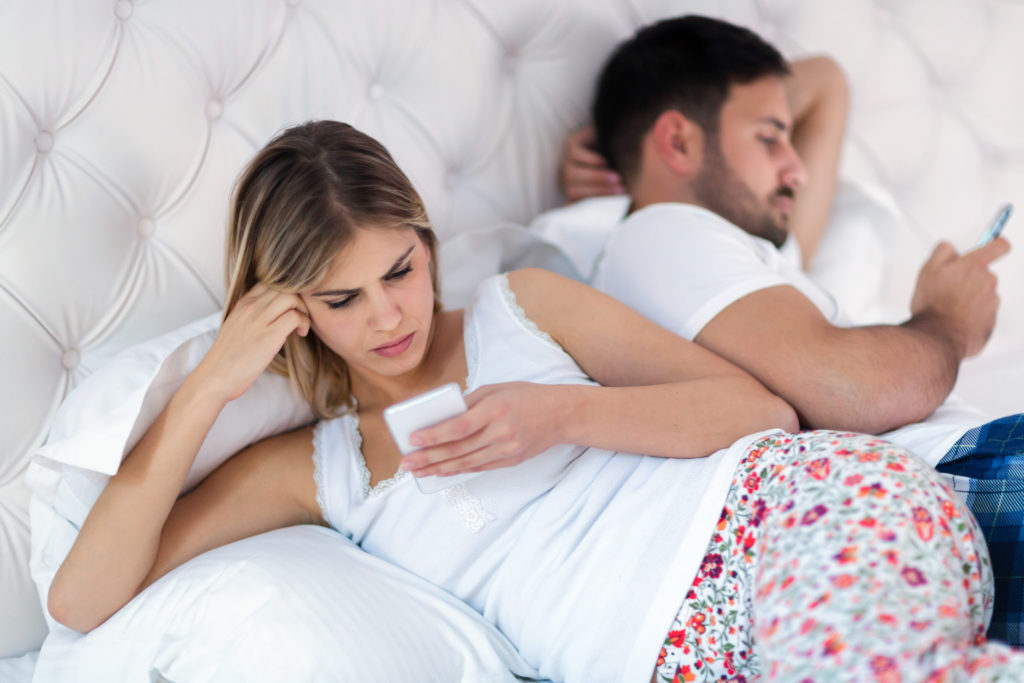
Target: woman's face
point(375, 306)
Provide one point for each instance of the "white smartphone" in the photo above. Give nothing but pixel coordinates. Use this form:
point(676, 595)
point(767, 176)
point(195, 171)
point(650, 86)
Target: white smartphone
point(996, 227)
point(426, 410)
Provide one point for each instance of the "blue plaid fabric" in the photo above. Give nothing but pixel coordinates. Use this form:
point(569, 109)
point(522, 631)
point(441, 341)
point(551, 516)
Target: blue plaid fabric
point(987, 470)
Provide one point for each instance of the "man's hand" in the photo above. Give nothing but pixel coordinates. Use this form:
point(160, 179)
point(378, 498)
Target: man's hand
point(961, 292)
point(583, 172)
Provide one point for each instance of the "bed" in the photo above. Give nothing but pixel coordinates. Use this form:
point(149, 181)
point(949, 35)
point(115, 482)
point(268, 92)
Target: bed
point(124, 124)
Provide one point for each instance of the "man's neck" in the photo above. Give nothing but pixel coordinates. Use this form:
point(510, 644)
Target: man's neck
point(649, 192)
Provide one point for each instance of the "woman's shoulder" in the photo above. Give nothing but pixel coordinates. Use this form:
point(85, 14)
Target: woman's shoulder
point(546, 297)
point(506, 304)
point(526, 281)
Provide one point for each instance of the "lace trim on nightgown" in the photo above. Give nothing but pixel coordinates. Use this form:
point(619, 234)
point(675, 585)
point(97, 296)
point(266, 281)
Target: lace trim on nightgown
point(318, 470)
point(382, 487)
point(468, 507)
point(517, 310)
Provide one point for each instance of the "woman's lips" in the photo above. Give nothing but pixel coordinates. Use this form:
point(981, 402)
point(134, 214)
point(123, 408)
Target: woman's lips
point(396, 348)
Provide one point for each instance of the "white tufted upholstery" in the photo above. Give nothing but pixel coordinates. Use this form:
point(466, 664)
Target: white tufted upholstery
point(123, 124)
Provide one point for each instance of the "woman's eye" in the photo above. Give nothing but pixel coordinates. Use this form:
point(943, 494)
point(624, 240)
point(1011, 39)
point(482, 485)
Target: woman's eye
point(768, 141)
point(340, 304)
point(399, 274)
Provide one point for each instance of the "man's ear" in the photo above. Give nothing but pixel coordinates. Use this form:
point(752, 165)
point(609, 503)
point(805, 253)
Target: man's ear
point(678, 142)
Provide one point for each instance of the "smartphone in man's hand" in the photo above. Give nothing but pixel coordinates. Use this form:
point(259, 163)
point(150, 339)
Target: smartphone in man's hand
point(996, 227)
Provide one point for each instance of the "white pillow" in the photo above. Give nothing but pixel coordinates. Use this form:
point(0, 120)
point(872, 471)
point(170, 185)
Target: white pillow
point(106, 415)
point(296, 604)
point(472, 256)
point(580, 229)
point(864, 255)
point(242, 611)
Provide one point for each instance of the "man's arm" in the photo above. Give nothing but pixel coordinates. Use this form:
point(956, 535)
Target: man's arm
point(870, 379)
point(819, 99)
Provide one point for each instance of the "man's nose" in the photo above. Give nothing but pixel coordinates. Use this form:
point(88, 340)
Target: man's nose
point(793, 173)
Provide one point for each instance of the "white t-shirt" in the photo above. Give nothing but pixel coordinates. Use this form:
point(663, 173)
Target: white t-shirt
point(681, 265)
point(581, 556)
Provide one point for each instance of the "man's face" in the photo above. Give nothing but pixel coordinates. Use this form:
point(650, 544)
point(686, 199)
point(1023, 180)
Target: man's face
point(750, 171)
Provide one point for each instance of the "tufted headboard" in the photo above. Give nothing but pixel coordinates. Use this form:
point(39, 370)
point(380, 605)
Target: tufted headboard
point(123, 125)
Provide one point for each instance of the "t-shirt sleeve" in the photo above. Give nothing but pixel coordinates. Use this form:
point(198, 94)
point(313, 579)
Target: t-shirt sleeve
point(681, 275)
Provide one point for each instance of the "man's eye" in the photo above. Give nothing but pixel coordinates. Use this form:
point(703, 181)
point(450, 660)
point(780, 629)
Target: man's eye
point(399, 274)
point(342, 303)
point(768, 141)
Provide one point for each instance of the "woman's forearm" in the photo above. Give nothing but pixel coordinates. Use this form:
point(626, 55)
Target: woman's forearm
point(676, 420)
point(118, 542)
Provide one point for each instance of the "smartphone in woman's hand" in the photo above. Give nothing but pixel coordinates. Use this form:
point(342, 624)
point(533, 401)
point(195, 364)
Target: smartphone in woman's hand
point(426, 410)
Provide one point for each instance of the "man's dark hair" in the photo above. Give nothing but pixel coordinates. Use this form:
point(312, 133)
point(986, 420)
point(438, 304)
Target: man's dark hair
point(686, 64)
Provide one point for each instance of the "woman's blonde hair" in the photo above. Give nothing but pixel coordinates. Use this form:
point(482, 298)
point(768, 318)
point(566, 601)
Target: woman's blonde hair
point(296, 206)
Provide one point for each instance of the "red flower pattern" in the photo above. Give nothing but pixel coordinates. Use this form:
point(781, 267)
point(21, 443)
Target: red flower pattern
point(707, 642)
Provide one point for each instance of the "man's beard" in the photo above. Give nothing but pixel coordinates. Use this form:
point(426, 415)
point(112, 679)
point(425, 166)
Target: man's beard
point(718, 189)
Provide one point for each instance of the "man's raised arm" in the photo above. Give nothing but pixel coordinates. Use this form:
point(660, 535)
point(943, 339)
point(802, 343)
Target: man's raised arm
point(819, 100)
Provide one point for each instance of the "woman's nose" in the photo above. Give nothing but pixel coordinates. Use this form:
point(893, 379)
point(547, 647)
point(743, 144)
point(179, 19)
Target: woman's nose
point(385, 312)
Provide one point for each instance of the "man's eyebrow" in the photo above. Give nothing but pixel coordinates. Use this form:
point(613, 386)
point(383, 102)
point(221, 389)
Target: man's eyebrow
point(347, 292)
point(778, 123)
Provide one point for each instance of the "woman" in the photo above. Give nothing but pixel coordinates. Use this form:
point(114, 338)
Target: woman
point(581, 554)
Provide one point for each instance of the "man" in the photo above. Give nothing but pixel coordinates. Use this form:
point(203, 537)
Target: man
point(694, 116)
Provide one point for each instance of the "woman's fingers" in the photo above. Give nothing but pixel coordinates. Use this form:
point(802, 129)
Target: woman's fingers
point(489, 457)
point(291, 320)
point(251, 336)
point(449, 440)
point(452, 429)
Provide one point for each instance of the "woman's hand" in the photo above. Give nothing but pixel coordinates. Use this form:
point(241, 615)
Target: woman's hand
point(253, 333)
point(584, 172)
point(504, 425)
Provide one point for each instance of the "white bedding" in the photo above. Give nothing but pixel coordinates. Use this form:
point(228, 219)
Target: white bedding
point(295, 604)
point(567, 240)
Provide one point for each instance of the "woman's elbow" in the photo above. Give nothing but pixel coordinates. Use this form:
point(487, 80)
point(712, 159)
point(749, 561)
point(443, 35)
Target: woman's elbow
point(67, 610)
point(783, 415)
point(776, 411)
point(60, 608)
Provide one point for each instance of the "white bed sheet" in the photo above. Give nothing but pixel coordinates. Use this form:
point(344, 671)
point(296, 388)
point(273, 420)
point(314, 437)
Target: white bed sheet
point(18, 669)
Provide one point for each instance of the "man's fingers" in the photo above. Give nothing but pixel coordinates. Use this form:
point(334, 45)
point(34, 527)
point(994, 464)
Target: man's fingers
point(586, 157)
point(988, 253)
point(591, 177)
point(576, 191)
point(942, 253)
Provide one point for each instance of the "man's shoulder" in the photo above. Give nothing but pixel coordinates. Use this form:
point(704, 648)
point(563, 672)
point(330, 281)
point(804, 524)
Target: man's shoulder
point(686, 228)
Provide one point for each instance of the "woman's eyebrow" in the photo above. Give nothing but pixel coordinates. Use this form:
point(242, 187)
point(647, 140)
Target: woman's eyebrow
point(391, 271)
point(398, 263)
